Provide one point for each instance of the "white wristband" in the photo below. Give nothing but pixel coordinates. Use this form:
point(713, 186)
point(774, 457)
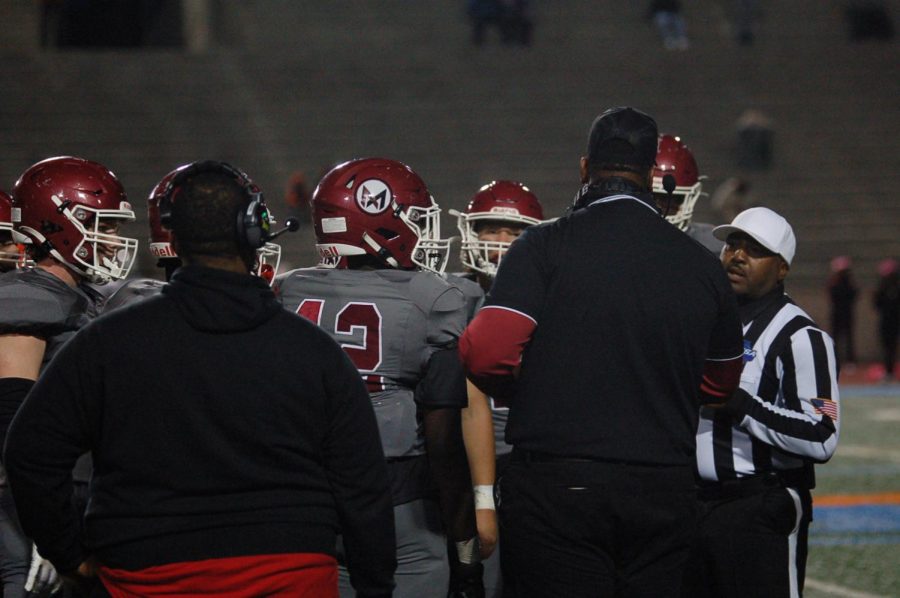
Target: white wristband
point(484, 497)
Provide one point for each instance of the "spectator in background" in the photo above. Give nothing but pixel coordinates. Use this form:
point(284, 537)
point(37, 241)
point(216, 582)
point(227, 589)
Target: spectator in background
point(887, 302)
point(731, 198)
point(511, 17)
point(666, 15)
point(842, 293)
point(745, 18)
point(297, 196)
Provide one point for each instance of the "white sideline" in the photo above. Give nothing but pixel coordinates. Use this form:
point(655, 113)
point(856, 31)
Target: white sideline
point(837, 590)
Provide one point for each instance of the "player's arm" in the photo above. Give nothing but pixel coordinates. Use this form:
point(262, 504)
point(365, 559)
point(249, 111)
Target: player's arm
point(440, 395)
point(478, 433)
point(20, 363)
point(808, 423)
point(492, 345)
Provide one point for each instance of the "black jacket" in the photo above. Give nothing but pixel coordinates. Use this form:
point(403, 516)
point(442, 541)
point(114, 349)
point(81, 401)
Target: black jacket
point(221, 425)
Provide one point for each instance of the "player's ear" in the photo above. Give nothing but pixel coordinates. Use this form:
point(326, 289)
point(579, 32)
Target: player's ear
point(585, 179)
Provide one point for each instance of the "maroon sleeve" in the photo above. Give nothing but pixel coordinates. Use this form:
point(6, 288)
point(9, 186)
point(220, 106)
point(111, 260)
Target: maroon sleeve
point(491, 348)
point(720, 379)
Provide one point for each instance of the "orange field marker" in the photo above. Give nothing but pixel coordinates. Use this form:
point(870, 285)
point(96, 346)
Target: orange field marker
point(850, 500)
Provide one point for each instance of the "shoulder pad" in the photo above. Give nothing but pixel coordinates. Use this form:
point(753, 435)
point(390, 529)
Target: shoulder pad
point(435, 294)
point(132, 291)
point(38, 304)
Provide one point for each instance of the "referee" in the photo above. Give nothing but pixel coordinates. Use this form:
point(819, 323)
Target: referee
point(603, 331)
point(755, 454)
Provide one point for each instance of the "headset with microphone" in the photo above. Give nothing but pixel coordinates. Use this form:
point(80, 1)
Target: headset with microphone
point(253, 221)
point(669, 183)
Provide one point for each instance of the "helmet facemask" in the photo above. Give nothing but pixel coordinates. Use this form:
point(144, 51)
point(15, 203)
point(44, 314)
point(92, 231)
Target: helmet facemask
point(268, 257)
point(689, 196)
point(101, 255)
point(481, 255)
point(431, 252)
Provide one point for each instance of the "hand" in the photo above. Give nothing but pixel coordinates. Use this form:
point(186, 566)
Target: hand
point(42, 576)
point(88, 568)
point(466, 580)
point(465, 577)
point(486, 521)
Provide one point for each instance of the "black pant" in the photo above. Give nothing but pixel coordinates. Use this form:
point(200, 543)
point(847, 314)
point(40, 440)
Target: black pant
point(595, 529)
point(750, 543)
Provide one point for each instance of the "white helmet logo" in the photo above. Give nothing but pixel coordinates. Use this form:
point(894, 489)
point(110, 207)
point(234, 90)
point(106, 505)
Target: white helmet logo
point(373, 196)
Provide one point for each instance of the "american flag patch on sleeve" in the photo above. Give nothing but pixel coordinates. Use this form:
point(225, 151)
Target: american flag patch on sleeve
point(826, 407)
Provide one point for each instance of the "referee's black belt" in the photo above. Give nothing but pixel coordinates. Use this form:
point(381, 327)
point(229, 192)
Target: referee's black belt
point(737, 488)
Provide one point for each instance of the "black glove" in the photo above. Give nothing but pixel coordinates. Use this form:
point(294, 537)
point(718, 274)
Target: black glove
point(466, 580)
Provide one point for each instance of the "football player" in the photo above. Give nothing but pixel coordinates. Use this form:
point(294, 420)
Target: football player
point(68, 211)
point(494, 218)
point(378, 291)
point(496, 215)
point(10, 251)
point(268, 256)
point(676, 166)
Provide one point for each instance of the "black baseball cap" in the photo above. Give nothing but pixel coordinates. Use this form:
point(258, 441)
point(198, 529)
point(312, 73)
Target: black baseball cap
point(623, 136)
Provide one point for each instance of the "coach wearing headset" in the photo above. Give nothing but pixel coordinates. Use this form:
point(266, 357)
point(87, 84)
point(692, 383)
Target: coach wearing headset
point(215, 473)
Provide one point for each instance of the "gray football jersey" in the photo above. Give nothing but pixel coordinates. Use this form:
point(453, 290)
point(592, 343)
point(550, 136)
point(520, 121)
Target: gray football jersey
point(133, 290)
point(36, 303)
point(389, 322)
point(472, 292)
point(702, 233)
point(474, 300)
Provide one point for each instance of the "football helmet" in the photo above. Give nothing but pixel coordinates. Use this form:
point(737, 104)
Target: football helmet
point(72, 208)
point(502, 201)
point(268, 257)
point(673, 157)
point(11, 253)
point(382, 208)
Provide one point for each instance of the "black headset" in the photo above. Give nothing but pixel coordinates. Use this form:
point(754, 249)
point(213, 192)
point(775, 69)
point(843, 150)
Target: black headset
point(253, 220)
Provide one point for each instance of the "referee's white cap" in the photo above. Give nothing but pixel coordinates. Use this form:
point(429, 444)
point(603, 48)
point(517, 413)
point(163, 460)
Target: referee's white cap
point(769, 229)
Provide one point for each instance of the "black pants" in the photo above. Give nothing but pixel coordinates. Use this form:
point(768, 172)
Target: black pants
point(750, 543)
point(595, 529)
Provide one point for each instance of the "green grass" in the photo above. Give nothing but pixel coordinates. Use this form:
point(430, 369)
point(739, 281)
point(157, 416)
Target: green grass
point(867, 461)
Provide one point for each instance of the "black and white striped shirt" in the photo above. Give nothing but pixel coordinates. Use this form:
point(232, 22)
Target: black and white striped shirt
point(785, 415)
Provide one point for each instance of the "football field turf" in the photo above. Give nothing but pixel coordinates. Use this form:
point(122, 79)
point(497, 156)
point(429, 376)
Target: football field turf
point(854, 540)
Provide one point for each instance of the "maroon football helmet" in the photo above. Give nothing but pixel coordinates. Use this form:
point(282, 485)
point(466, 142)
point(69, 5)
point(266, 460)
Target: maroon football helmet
point(675, 158)
point(72, 208)
point(381, 208)
point(11, 254)
point(499, 201)
point(268, 256)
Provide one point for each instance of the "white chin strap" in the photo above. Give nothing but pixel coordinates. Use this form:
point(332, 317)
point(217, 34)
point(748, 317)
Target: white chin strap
point(380, 251)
